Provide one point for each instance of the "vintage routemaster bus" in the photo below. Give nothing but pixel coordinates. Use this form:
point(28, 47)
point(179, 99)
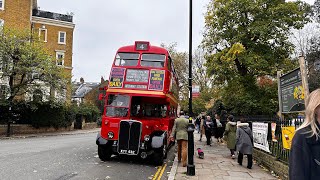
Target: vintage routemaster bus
point(140, 104)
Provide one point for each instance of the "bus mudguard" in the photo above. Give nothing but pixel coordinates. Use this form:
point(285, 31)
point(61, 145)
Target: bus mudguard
point(100, 140)
point(158, 139)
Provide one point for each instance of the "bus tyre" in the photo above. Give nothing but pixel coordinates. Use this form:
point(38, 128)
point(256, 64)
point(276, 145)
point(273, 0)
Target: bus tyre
point(104, 153)
point(159, 155)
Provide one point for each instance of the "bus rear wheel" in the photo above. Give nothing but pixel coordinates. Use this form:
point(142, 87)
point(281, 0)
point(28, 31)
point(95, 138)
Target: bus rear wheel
point(104, 152)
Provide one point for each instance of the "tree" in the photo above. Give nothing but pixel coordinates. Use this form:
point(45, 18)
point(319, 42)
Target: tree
point(26, 65)
point(316, 10)
point(199, 77)
point(313, 59)
point(245, 40)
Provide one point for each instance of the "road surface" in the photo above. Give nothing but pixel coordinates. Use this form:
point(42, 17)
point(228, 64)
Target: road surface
point(70, 157)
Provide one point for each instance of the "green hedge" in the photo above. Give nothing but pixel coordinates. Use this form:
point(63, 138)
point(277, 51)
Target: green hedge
point(47, 114)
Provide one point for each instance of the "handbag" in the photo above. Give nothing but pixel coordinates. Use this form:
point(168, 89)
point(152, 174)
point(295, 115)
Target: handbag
point(249, 136)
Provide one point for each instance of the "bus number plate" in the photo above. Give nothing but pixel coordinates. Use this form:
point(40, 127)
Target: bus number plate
point(125, 151)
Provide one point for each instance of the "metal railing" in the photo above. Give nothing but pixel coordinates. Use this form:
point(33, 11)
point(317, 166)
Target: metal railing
point(276, 147)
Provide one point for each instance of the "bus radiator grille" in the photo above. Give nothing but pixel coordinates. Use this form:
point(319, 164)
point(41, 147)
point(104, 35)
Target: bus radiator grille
point(129, 137)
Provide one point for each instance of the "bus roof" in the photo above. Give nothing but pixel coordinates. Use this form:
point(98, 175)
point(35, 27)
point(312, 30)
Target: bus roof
point(152, 49)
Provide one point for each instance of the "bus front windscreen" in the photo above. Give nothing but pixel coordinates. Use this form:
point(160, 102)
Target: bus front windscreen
point(118, 105)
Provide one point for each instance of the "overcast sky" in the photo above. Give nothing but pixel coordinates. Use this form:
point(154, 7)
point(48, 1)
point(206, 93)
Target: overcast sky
point(102, 26)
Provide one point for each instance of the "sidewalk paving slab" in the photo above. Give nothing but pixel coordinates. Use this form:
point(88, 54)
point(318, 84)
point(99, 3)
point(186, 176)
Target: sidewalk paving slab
point(217, 164)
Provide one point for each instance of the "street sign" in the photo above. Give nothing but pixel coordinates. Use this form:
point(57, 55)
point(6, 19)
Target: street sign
point(292, 92)
point(195, 91)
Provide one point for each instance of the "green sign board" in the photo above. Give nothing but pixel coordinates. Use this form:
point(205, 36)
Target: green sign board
point(292, 92)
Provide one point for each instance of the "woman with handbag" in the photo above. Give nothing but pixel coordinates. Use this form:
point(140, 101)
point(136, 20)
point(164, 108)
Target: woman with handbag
point(244, 142)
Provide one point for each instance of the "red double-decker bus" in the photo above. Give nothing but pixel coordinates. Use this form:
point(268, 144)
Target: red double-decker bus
point(140, 104)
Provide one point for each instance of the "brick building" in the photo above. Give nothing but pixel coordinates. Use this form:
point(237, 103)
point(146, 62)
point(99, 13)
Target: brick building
point(55, 30)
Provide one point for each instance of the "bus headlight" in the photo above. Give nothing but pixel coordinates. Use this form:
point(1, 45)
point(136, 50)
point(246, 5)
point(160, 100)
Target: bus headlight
point(110, 135)
point(146, 138)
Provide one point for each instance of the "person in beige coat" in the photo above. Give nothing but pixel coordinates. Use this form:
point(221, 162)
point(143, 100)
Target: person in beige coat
point(202, 129)
point(179, 132)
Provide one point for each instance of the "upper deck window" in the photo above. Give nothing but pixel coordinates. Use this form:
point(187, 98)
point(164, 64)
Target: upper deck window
point(153, 60)
point(127, 59)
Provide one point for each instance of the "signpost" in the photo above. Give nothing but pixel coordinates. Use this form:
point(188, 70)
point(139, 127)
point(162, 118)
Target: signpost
point(292, 92)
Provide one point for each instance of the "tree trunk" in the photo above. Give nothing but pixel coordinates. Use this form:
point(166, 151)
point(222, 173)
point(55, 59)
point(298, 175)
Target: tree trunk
point(242, 69)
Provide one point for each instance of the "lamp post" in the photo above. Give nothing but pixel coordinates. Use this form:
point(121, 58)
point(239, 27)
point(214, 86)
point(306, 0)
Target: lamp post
point(190, 166)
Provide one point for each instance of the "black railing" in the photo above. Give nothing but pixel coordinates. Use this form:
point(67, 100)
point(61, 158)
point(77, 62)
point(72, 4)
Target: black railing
point(51, 15)
point(276, 146)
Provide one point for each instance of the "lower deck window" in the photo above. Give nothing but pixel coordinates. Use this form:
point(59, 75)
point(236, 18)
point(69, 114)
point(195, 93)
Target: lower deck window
point(147, 109)
point(118, 105)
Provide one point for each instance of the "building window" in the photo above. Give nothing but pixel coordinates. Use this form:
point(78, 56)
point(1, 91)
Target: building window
point(317, 65)
point(1, 4)
point(35, 75)
point(60, 58)
point(3, 91)
point(1, 24)
point(62, 37)
point(43, 34)
point(37, 95)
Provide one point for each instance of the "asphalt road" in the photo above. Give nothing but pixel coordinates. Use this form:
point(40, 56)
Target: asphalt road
point(70, 157)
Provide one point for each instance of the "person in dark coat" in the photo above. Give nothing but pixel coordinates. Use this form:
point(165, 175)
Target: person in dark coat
point(304, 160)
point(244, 142)
point(219, 129)
point(197, 123)
point(208, 126)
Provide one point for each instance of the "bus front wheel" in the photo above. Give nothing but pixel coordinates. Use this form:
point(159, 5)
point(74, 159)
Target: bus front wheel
point(160, 155)
point(104, 152)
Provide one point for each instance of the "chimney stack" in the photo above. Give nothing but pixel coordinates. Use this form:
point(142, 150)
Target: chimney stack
point(81, 80)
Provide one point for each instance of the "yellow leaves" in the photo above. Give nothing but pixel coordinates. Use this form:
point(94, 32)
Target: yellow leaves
point(235, 50)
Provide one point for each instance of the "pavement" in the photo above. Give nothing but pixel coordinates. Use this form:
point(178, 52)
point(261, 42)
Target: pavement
point(217, 164)
point(62, 133)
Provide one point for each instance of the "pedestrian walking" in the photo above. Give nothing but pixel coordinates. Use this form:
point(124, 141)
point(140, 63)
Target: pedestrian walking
point(229, 135)
point(197, 123)
point(304, 160)
point(179, 132)
point(202, 130)
point(218, 131)
point(208, 126)
point(244, 142)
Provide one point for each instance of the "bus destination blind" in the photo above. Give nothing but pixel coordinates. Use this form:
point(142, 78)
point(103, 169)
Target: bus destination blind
point(137, 75)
